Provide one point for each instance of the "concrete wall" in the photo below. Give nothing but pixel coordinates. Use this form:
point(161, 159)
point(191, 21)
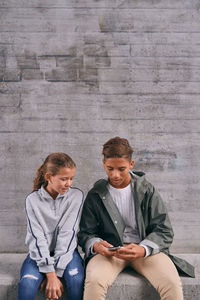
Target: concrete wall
point(76, 73)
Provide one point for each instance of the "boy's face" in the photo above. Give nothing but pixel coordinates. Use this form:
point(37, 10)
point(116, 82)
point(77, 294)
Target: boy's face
point(117, 169)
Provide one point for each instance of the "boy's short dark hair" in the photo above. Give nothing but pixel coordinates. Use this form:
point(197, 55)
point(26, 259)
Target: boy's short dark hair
point(117, 147)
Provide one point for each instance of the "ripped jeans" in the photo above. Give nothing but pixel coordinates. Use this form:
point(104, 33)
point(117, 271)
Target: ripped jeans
point(31, 279)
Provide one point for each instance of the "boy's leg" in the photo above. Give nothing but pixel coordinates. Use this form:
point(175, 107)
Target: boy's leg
point(162, 273)
point(101, 271)
point(30, 280)
point(74, 277)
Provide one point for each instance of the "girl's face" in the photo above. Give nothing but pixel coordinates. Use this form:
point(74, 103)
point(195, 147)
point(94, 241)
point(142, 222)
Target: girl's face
point(117, 169)
point(61, 182)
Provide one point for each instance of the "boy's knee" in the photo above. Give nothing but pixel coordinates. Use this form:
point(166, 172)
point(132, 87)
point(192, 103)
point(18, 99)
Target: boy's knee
point(172, 282)
point(171, 287)
point(96, 279)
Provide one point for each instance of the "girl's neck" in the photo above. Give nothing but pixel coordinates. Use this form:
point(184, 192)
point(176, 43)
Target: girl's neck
point(51, 192)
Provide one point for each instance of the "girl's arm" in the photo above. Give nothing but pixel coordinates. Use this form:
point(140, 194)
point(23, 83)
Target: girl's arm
point(67, 232)
point(36, 240)
point(39, 251)
point(54, 287)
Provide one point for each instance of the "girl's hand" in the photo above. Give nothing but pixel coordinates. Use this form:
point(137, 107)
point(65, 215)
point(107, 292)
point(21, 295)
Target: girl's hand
point(131, 251)
point(102, 248)
point(43, 284)
point(54, 287)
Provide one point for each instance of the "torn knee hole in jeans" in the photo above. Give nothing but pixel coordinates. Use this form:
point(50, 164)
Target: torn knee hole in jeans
point(73, 272)
point(30, 276)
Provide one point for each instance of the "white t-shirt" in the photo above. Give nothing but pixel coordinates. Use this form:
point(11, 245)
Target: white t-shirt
point(123, 199)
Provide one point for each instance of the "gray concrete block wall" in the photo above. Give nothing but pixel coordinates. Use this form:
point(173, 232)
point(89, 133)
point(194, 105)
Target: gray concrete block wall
point(75, 73)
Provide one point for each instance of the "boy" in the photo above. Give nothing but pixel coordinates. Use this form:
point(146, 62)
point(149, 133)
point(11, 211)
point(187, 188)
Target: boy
point(127, 211)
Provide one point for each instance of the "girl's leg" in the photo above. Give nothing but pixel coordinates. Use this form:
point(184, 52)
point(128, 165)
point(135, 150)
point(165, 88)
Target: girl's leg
point(30, 280)
point(74, 277)
point(162, 273)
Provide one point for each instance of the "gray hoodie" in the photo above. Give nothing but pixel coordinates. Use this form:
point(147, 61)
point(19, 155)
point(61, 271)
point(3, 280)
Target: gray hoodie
point(52, 227)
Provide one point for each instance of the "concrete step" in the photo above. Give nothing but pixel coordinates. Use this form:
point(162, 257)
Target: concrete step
point(128, 285)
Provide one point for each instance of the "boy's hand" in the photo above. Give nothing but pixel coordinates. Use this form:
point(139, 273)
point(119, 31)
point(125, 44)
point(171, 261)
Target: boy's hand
point(131, 251)
point(102, 248)
point(54, 287)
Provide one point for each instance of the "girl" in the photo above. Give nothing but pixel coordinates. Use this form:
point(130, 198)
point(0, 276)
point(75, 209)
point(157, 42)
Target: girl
point(53, 212)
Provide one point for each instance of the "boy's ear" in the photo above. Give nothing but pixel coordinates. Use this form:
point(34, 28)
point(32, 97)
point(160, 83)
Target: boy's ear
point(131, 164)
point(104, 161)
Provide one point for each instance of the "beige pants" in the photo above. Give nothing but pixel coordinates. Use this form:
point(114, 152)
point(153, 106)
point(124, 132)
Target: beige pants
point(101, 271)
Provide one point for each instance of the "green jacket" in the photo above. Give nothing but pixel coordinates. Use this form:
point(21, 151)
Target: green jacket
point(102, 220)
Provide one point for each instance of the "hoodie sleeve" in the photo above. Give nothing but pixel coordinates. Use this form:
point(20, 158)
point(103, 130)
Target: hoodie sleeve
point(36, 240)
point(67, 234)
point(159, 232)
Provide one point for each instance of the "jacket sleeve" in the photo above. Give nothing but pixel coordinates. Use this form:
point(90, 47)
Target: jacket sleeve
point(88, 233)
point(37, 242)
point(159, 232)
point(67, 234)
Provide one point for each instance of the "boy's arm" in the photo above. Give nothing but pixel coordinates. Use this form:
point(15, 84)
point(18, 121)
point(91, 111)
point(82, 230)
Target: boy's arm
point(88, 234)
point(159, 230)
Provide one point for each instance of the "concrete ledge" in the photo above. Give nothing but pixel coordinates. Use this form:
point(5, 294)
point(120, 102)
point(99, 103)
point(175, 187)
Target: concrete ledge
point(128, 285)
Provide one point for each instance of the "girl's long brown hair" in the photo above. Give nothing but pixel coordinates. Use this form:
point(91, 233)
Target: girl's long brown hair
point(51, 165)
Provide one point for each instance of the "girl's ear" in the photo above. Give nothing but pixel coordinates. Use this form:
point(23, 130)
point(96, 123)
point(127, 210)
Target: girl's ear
point(47, 176)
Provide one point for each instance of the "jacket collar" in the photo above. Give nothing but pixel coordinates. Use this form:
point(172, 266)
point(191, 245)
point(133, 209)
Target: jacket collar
point(139, 190)
point(101, 189)
point(47, 196)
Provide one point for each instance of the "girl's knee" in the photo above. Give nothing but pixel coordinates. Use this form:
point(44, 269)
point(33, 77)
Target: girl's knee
point(28, 280)
point(76, 276)
point(28, 286)
point(78, 279)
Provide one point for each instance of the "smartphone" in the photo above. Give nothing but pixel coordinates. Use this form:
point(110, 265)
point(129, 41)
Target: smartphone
point(114, 248)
